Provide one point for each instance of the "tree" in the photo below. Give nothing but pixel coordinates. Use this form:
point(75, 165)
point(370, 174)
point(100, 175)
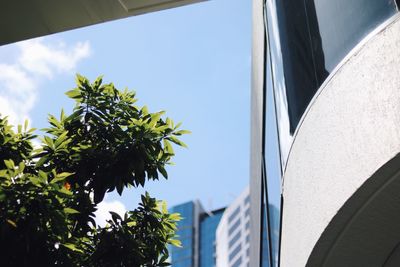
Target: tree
point(48, 195)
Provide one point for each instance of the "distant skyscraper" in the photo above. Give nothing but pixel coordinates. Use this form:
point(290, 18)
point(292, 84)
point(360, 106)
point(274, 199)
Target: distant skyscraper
point(208, 228)
point(196, 232)
point(233, 235)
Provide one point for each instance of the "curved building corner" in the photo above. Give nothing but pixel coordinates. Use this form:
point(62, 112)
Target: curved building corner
point(325, 179)
point(340, 171)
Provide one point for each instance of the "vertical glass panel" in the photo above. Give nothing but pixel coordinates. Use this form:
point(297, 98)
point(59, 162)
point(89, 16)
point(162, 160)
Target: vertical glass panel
point(182, 256)
point(265, 253)
point(273, 167)
point(208, 228)
point(308, 39)
point(276, 79)
point(339, 25)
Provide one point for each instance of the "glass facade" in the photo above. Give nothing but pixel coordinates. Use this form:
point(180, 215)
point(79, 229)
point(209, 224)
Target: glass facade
point(305, 41)
point(184, 256)
point(208, 227)
point(196, 231)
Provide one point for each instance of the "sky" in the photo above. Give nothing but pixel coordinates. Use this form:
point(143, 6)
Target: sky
point(194, 62)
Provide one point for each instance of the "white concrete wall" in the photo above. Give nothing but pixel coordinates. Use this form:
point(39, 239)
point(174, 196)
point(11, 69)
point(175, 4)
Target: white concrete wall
point(223, 238)
point(351, 129)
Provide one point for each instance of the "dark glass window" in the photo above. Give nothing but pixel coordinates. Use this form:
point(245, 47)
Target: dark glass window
point(235, 251)
point(266, 237)
point(272, 165)
point(234, 214)
point(247, 213)
point(247, 200)
point(234, 239)
point(308, 39)
point(247, 225)
point(208, 227)
point(182, 256)
point(233, 227)
point(237, 262)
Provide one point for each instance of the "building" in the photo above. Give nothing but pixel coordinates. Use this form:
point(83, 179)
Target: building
point(325, 136)
point(233, 233)
point(196, 232)
point(208, 225)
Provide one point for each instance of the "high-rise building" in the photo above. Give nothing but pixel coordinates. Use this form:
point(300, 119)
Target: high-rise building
point(233, 233)
point(196, 232)
point(208, 224)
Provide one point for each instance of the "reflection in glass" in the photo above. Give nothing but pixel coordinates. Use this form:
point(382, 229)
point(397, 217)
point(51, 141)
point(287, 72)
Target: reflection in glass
point(272, 165)
point(307, 40)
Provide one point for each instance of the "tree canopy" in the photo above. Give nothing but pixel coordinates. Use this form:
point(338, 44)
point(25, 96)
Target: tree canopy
point(48, 194)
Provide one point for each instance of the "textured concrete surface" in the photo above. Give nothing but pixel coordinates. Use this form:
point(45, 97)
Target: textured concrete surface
point(351, 129)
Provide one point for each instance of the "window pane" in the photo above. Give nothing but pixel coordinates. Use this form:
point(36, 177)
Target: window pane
point(308, 39)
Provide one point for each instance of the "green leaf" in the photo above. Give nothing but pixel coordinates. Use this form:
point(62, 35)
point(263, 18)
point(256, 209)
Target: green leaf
point(175, 242)
point(162, 170)
point(176, 141)
point(9, 164)
point(182, 132)
point(72, 247)
point(41, 161)
point(74, 94)
point(154, 119)
point(35, 181)
point(48, 141)
point(115, 216)
point(131, 224)
point(61, 177)
point(175, 217)
point(168, 148)
point(144, 110)
point(42, 176)
point(3, 173)
point(64, 191)
point(21, 166)
point(70, 211)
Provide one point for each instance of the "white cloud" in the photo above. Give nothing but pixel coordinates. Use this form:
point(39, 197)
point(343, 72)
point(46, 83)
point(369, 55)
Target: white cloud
point(36, 61)
point(104, 208)
point(39, 58)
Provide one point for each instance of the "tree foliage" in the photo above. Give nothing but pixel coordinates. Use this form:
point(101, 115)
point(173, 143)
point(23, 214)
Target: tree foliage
point(48, 195)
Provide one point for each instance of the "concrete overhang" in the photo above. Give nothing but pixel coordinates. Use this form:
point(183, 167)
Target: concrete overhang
point(21, 20)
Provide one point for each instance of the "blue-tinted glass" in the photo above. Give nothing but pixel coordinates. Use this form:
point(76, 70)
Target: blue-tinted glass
point(272, 164)
point(234, 226)
point(208, 227)
point(234, 214)
point(247, 200)
point(307, 40)
point(237, 262)
point(182, 257)
point(235, 251)
point(247, 213)
point(247, 226)
point(234, 239)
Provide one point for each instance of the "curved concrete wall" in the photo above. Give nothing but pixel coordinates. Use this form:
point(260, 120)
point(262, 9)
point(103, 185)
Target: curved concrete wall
point(351, 129)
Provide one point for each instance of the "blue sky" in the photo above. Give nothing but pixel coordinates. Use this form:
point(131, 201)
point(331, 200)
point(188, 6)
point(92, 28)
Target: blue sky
point(193, 62)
